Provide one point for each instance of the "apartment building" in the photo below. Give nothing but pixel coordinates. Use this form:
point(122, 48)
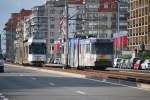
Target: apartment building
point(36, 24)
point(99, 17)
point(20, 35)
point(123, 15)
point(53, 12)
point(10, 29)
point(138, 24)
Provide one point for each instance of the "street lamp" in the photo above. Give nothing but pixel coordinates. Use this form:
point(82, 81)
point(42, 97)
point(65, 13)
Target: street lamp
point(65, 4)
point(67, 41)
point(118, 25)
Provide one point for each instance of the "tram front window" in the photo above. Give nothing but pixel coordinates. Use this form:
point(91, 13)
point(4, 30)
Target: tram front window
point(102, 48)
point(37, 49)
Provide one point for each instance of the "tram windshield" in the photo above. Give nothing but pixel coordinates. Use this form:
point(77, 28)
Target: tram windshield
point(37, 48)
point(102, 48)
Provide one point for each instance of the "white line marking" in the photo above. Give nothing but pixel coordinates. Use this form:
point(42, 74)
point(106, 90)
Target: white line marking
point(20, 74)
point(81, 92)
point(2, 97)
point(104, 80)
point(117, 84)
point(33, 78)
point(5, 99)
point(52, 84)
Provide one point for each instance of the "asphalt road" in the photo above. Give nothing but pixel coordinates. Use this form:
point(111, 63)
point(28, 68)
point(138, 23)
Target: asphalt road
point(26, 84)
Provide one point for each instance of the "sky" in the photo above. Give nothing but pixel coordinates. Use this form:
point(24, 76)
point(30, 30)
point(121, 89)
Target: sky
point(12, 6)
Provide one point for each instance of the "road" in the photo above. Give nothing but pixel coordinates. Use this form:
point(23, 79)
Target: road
point(18, 83)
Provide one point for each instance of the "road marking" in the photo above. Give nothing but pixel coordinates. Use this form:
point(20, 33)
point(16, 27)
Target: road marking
point(33, 78)
point(104, 80)
point(81, 92)
point(117, 84)
point(3, 98)
point(20, 74)
point(52, 84)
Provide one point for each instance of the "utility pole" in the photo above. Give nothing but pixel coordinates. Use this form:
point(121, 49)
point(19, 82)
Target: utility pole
point(118, 23)
point(67, 44)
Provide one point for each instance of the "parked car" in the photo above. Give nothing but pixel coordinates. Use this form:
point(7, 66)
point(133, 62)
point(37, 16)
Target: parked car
point(138, 63)
point(57, 61)
point(116, 62)
point(1, 63)
point(133, 61)
point(146, 64)
point(127, 64)
point(122, 63)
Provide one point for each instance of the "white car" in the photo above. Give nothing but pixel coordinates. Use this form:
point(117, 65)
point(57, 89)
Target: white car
point(117, 62)
point(146, 64)
point(1, 63)
point(57, 61)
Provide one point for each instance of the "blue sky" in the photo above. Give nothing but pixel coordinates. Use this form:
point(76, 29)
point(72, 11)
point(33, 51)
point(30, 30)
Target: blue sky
point(11, 6)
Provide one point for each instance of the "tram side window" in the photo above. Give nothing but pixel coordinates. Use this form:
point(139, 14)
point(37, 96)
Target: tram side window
point(93, 49)
point(80, 48)
point(30, 49)
point(62, 49)
point(27, 51)
point(87, 48)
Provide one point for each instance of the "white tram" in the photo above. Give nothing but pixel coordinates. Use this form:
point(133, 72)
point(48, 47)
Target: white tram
point(92, 52)
point(34, 51)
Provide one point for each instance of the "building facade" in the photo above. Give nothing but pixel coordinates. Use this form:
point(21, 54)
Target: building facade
point(99, 17)
point(10, 28)
point(138, 24)
point(19, 48)
point(123, 15)
point(38, 22)
point(53, 12)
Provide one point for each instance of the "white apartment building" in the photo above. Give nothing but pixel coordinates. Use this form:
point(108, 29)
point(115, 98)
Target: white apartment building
point(54, 13)
point(36, 24)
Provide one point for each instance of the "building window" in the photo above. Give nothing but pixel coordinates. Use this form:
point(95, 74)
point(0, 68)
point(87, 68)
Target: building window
point(52, 11)
point(51, 33)
point(52, 19)
point(52, 26)
point(106, 5)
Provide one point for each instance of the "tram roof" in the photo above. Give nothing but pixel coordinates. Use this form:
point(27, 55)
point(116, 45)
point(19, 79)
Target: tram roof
point(92, 40)
point(32, 40)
